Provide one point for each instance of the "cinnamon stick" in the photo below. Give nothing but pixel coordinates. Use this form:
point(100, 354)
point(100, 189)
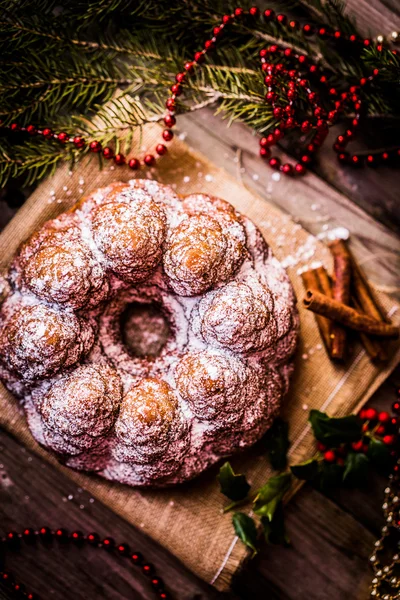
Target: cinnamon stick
point(347, 316)
point(311, 282)
point(341, 293)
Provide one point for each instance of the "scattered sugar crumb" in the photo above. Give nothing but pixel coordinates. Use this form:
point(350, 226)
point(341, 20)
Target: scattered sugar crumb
point(319, 346)
point(276, 176)
point(304, 356)
point(65, 188)
point(81, 181)
point(256, 177)
point(91, 500)
point(315, 206)
point(209, 177)
point(182, 136)
point(305, 406)
point(186, 179)
point(80, 190)
point(70, 497)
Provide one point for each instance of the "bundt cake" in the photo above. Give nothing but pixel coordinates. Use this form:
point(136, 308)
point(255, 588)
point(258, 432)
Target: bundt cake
point(146, 334)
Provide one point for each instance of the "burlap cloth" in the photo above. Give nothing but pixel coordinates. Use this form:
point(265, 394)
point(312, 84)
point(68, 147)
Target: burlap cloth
point(188, 519)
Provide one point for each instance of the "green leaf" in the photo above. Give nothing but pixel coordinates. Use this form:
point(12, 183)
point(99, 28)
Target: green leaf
point(335, 431)
point(245, 529)
point(379, 454)
point(234, 486)
point(307, 470)
point(277, 444)
point(274, 531)
point(329, 476)
point(270, 495)
point(356, 468)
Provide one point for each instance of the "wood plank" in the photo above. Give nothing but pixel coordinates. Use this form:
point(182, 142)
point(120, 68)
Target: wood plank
point(33, 493)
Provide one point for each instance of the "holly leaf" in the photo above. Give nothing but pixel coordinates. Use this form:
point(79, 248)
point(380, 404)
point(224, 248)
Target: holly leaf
point(245, 529)
point(234, 486)
point(335, 431)
point(329, 476)
point(277, 444)
point(274, 531)
point(379, 454)
point(356, 468)
point(270, 495)
point(307, 470)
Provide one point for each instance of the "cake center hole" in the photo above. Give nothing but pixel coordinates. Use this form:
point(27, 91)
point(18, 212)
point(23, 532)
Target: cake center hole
point(144, 328)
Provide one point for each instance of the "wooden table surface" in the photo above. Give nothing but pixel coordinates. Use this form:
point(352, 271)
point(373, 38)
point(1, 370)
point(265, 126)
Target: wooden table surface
point(331, 536)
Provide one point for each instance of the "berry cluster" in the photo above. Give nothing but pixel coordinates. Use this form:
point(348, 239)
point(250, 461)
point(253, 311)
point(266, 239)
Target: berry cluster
point(14, 541)
point(376, 425)
point(292, 81)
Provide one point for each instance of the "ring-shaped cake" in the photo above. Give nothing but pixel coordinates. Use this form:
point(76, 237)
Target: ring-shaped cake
point(217, 379)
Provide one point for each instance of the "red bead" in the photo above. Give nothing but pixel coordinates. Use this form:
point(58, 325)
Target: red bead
point(189, 67)
point(28, 534)
point(303, 83)
point(337, 34)
point(277, 112)
point(385, 156)
point(305, 159)
point(311, 148)
point(332, 114)
point(302, 58)
point(199, 57)
point(289, 110)
point(279, 68)
point(167, 135)
point(292, 74)
point(353, 89)
point(226, 19)
point(176, 89)
point(62, 136)
point(371, 414)
point(321, 125)
point(147, 569)
point(370, 160)
point(291, 94)
point(321, 447)
point(273, 48)
point(269, 80)
point(93, 538)
point(47, 133)
point(357, 106)
point(313, 69)
point(308, 29)
point(95, 146)
point(389, 440)
point(161, 149)
point(149, 160)
point(375, 72)
point(77, 536)
point(208, 44)
point(278, 134)
point(61, 534)
point(119, 159)
point(367, 42)
point(267, 67)
point(269, 14)
point(322, 32)
point(292, 85)
point(282, 19)
point(275, 163)
point(323, 79)
point(263, 142)
point(338, 104)
point(31, 129)
point(312, 96)
point(341, 140)
point(254, 11)
point(353, 38)
point(379, 47)
point(357, 446)
point(270, 139)
point(45, 533)
point(136, 558)
point(396, 407)
point(329, 456)
point(217, 31)
point(383, 417)
point(294, 24)
point(306, 126)
point(108, 153)
point(318, 111)
point(108, 543)
point(14, 127)
point(180, 77)
point(169, 120)
point(288, 52)
point(265, 152)
point(363, 80)
point(380, 430)
point(287, 169)
point(134, 164)
point(170, 104)
point(333, 92)
point(79, 142)
point(238, 12)
point(123, 549)
point(270, 96)
point(290, 122)
point(355, 160)
point(263, 53)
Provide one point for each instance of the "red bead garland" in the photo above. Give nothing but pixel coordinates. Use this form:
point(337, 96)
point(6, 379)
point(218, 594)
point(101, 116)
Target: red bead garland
point(274, 73)
point(12, 540)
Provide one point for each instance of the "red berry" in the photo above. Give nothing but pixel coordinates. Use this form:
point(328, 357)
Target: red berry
point(278, 134)
point(176, 89)
point(306, 126)
point(108, 153)
point(277, 112)
point(149, 160)
point(95, 146)
point(269, 80)
point(180, 77)
point(265, 152)
point(226, 19)
point(208, 44)
point(275, 163)
point(273, 48)
point(308, 29)
point(380, 430)
point(170, 104)
point(329, 456)
point(306, 159)
point(167, 135)
point(31, 129)
point(47, 133)
point(353, 38)
point(14, 126)
point(288, 52)
point(332, 114)
point(134, 164)
point(294, 24)
point(396, 407)
point(263, 53)
point(371, 414)
point(217, 31)
point(323, 79)
point(62, 137)
point(353, 89)
point(318, 112)
point(312, 96)
point(290, 122)
point(269, 14)
point(287, 169)
point(302, 59)
point(263, 142)
point(313, 69)
point(383, 417)
point(292, 73)
point(303, 83)
point(161, 149)
point(363, 411)
point(270, 139)
point(311, 148)
point(238, 12)
point(169, 120)
point(389, 440)
point(189, 67)
point(270, 97)
point(119, 159)
point(279, 66)
point(254, 11)
point(79, 142)
point(357, 446)
point(322, 32)
point(363, 80)
point(282, 19)
point(291, 94)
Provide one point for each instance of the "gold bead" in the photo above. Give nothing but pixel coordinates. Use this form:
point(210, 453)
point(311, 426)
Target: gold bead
point(372, 558)
point(373, 593)
point(386, 569)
